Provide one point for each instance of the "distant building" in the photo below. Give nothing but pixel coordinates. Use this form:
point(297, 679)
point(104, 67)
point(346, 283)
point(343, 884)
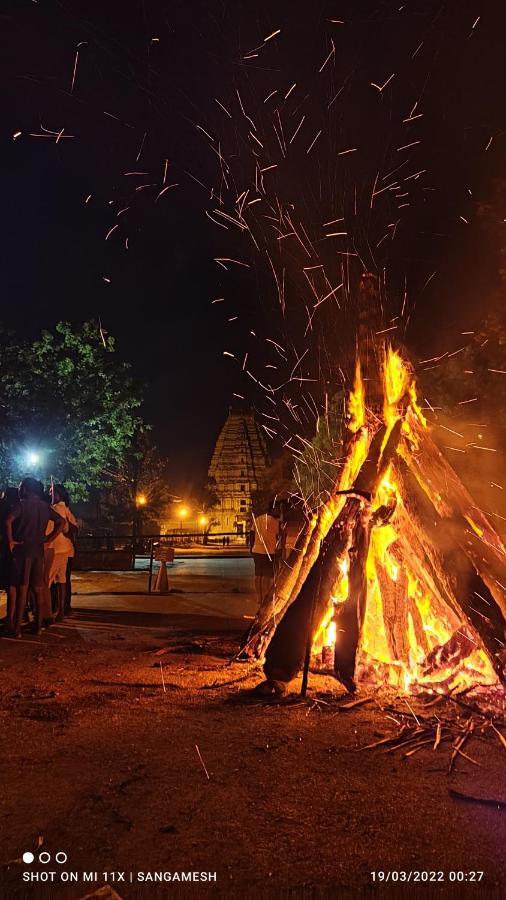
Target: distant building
point(238, 461)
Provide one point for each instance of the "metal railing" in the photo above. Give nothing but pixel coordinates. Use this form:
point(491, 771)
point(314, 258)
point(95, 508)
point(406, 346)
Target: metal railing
point(182, 539)
point(113, 548)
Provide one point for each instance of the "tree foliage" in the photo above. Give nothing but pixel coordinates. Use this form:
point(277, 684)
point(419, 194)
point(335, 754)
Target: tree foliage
point(66, 398)
point(316, 470)
point(142, 475)
point(477, 371)
point(274, 482)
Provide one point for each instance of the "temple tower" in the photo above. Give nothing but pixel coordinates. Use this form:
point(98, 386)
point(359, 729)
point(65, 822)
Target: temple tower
point(239, 459)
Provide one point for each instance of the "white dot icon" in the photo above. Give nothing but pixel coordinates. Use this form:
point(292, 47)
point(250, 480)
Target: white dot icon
point(28, 857)
point(44, 857)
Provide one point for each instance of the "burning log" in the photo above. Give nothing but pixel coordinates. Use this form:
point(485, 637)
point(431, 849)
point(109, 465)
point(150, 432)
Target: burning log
point(420, 554)
point(444, 487)
point(286, 643)
point(285, 652)
point(350, 617)
point(295, 570)
point(458, 647)
point(471, 528)
point(395, 601)
point(465, 590)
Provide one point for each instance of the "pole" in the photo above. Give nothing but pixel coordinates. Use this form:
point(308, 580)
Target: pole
point(309, 644)
point(134, 535)
point(150, 565)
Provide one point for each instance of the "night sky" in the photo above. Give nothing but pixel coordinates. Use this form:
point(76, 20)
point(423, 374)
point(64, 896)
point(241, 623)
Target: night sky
point(148, 73)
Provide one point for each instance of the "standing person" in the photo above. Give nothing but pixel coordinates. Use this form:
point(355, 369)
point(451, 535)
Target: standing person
point(73, 532)
point(8, 501)
point(265, 551)
point(59, 552)
point(292, 524)
point(26, 526)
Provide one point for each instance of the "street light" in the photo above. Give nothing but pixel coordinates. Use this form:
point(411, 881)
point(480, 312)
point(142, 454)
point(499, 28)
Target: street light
point(32, 458)
point(202, 520)
point(183, 512)
point(140, 501)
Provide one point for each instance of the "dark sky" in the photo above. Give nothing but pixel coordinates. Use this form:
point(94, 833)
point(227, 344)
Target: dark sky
point(147, 75)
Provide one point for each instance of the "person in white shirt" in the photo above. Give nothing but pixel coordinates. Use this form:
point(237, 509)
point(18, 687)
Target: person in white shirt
point(265, 551)
point(58, 551)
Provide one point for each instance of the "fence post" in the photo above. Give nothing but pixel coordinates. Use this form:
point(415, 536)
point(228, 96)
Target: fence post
point(150, 576)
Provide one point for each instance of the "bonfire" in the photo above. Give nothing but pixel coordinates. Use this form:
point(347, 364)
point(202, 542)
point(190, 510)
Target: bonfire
point(398, 578)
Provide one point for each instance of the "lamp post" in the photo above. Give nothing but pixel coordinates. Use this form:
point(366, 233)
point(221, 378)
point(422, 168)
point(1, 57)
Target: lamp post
point(183, 512)
point(140, 501)
point(202, 520)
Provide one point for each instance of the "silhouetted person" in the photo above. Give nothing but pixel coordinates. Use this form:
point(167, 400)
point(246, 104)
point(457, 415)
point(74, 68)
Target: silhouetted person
point(26, 526)
point(265, 551)
point(8, 501)
point(59, 551)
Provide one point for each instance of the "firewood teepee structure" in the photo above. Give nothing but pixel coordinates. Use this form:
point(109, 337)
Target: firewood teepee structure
point(398, 575)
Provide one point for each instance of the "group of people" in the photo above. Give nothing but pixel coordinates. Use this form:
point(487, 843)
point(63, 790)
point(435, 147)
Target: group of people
point(38, 533)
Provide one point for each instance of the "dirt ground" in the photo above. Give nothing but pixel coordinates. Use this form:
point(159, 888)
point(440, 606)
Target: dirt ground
point(129, 767)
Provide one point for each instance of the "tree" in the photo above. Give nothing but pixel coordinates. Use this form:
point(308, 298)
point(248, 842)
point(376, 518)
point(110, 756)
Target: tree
point(477, 371)
point(315, 471)
point(209, 495)
point(68, 407)
point(140, 489)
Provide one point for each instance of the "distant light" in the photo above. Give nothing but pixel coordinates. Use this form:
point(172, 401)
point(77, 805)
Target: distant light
point(183, 512)
point(141, 500)
point(203, 520)
point(32, 458)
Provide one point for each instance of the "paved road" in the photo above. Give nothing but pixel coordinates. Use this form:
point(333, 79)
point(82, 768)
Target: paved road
point(204, 587)
point(213, 568)
point(221, 588)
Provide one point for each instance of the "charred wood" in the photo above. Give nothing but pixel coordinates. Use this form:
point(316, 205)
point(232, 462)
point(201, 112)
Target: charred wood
point(465, 590)
point(351, 613)
point(295, 570)
point(458, 647)
point(395, 603)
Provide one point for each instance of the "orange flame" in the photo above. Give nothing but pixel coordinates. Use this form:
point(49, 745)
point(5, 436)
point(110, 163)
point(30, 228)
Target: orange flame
point(356, 401)
point(422, 621)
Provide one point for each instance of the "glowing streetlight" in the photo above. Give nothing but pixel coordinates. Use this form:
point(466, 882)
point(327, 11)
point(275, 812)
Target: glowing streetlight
point(183, 512)
point(33, 458)
point(201, 520)
point(140, 501)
